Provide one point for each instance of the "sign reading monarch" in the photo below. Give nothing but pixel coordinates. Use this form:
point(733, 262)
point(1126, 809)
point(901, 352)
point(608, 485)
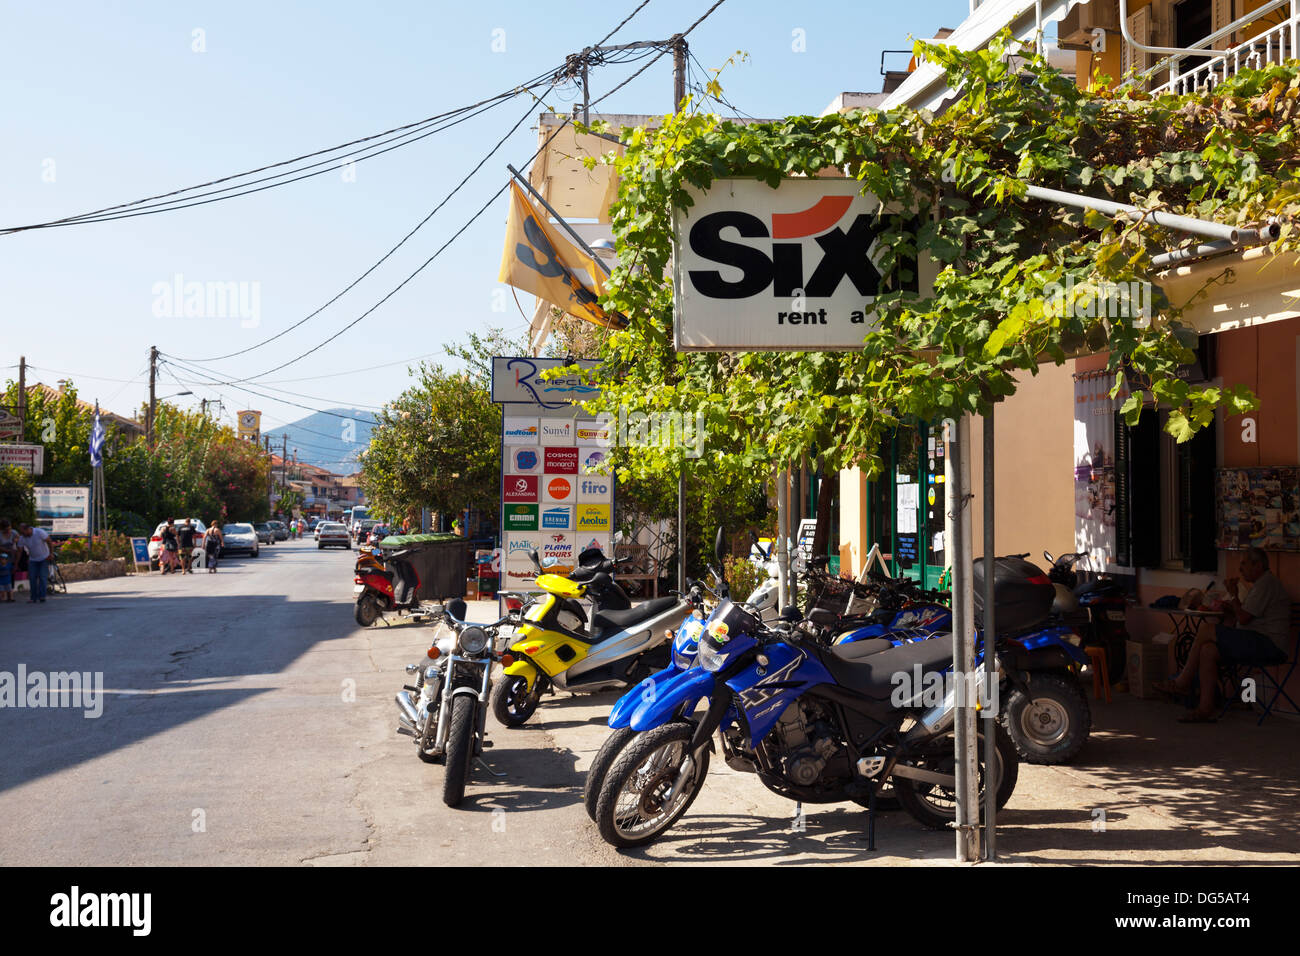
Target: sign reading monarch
point(537, 259)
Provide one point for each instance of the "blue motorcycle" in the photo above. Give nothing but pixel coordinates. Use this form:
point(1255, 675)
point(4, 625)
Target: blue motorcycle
point(815, 723)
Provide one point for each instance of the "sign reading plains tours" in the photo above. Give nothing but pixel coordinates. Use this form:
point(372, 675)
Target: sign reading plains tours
point(796, 267)
point(548, 504)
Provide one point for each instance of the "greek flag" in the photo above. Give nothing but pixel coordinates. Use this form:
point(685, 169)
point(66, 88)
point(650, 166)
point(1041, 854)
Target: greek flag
point(97, 441)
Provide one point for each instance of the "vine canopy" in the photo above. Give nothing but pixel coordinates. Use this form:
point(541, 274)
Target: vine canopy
point(993, 312)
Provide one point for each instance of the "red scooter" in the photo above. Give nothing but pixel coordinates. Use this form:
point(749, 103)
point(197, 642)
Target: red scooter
point(384, 588)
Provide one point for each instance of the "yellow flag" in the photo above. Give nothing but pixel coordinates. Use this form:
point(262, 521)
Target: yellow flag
point(539, 260)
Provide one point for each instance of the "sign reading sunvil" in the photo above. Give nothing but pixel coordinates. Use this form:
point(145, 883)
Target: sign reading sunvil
point(796, 267)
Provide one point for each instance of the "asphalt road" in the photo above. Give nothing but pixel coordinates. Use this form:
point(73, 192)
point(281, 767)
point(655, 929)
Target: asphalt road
point(246, 719)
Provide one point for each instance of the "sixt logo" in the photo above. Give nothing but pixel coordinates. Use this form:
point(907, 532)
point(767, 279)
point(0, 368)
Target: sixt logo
point(846, 253)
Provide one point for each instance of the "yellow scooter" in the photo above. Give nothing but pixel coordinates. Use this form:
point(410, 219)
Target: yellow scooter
point(559, 648)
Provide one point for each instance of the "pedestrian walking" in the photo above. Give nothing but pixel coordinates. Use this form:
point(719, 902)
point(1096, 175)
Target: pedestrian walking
point(212, 540)
point(167, 555)
point(8, 561)
point(185, 535)
point(36, 542)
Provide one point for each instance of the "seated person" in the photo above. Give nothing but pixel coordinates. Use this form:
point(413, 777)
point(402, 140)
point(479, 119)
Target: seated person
point(1254, 630)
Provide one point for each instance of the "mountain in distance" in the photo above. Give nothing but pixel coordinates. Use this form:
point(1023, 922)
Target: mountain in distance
point(325, 439)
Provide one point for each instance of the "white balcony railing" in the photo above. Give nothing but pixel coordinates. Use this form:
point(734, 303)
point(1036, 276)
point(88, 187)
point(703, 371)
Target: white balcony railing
point(1274, 46)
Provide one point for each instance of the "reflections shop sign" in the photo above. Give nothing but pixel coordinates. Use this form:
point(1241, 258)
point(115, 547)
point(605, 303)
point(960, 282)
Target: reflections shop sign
point(757, 268)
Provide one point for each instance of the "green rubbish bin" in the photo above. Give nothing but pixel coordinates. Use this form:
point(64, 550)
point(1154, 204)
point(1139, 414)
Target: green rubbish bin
point(438, 560)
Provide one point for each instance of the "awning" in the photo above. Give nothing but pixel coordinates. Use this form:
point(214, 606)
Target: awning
point(927, 88)
point(1255, 287)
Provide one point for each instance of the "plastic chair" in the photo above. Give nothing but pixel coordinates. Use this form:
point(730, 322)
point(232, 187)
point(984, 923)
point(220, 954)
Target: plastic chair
point(1100, 671)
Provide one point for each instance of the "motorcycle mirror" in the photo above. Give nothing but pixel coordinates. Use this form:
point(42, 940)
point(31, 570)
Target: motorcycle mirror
point(1048, 556)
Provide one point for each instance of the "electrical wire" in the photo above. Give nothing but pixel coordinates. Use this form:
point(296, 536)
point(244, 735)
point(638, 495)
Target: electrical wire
point(650, 62)
point(482, 209)
point(408, 129)
point(353, 284)
point(274, 398)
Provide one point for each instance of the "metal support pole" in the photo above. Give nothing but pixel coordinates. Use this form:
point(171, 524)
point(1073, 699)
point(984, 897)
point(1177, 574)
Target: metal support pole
point(1165, 220)
point(782, 556)
point(989, 713)
point(153, 396)
point(957, 513)
point(560, 221)
point(681, 530)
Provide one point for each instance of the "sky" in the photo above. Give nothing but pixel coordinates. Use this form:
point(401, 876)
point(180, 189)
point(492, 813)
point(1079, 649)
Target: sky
point(112, 102)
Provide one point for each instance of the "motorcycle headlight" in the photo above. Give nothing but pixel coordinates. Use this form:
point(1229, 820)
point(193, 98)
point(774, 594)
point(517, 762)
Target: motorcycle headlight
point(709, 658)
point(473, 640)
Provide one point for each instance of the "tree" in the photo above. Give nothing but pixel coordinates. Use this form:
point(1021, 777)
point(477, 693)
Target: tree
point(16, 501)
point(436, 446)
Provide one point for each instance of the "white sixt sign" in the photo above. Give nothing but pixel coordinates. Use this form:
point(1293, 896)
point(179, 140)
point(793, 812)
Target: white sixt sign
point(796, 267)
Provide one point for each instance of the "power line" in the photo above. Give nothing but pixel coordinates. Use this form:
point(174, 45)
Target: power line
point(100, 215)
point(386, 255)
point(273, 398)
point(476, 215)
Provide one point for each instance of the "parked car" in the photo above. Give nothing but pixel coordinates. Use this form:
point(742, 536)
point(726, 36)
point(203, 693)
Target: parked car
point(280, 529)
point(376, 534)
point(240, 538)
point(333, 534)
point(265, 533)
point(155, 541)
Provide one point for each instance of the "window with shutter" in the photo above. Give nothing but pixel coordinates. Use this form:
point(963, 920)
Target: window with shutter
point(1139, 28)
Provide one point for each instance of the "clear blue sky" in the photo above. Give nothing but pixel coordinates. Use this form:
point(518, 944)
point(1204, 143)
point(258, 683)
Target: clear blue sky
point(112, 100)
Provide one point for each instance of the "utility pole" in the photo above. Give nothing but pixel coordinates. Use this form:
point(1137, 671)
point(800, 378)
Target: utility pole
point(679, 70)
point(153, 396)
point(22, 397)
point(284, 459)
point(270, 473)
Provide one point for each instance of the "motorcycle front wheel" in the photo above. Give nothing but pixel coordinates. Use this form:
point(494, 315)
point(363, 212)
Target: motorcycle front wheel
point(644, 793)
point(604, 759)
point(513, 703)
point(935, 806)
point(460, 749)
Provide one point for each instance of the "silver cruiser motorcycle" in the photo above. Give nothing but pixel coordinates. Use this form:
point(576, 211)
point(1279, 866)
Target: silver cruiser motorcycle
point(445, 712)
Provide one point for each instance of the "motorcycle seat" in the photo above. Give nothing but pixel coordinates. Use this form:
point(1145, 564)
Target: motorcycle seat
point(607, 621)
point(868, 669)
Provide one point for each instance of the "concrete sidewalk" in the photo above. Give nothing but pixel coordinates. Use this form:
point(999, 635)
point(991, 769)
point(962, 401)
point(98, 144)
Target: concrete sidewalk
point(1145, 790)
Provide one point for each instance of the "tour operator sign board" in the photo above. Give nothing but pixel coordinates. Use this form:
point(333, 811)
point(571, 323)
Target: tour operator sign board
point(796, 267)
point(549, 503)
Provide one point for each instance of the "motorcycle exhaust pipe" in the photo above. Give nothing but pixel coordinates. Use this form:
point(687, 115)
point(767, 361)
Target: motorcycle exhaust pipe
point(940, 718)
point(408, 716)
